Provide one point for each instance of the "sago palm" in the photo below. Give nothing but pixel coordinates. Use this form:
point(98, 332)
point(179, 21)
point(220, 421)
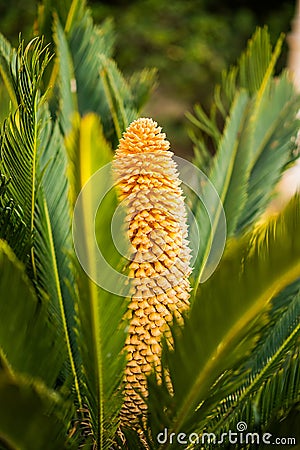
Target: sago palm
point(186, 348)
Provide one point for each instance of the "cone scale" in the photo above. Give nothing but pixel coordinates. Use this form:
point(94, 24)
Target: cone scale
point(156, 226)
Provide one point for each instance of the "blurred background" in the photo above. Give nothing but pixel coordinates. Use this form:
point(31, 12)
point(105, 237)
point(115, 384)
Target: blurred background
point(190, 42)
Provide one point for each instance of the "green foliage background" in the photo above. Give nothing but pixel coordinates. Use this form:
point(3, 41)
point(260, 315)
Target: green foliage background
point(61, 360)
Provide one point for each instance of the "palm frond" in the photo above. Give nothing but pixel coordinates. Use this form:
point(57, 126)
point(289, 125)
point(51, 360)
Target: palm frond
point(68, 103)
point(141, 84)
point(20, 134)
point(255, 66)
point(89, 80)
point(254, 271)
point(53, 245)
point(78, 67)
point(256, 144)
point(33, 157)
point(31, 415)
point(118, 96)
point(101, 331)
point(272, 141)
point(27, 337)
point(228, 160)
point(64, 10)
point(270, 400)
point(268, 381)
point(6, 54)
point(12, 226)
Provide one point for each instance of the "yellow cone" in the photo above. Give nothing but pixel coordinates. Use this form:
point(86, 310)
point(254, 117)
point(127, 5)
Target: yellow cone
point(157, 229)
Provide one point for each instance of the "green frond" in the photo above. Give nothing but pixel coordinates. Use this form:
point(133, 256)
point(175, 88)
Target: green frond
point(64, 10)
point(78, 66)
point(205, 123)
point(255, 67)
point(229, 165)
point(272, 144)
point(204, 130)
point(141, 84)
point(270, 400)
point(268, 381)
point(6, 54)
point(281, 331)
point(62, 335)
point(27, 337)
point(277, 393)
point(118, 96)
point(53, 246)
point(34, 159)
point(252, 76)
point(101, 329)
point(20, 134)
point(86, 79)
point(87, 42)
point(202, 156)
point(68, 102)
point(31, 416)
point(253, 72)
point(89, 80)
point(255, 147)
point(12, 226)
point(255, 269)
point(77, 11)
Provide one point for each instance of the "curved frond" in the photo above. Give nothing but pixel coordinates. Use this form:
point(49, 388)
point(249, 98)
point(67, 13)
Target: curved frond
point(268, 381)
point(21, 131)
point(12, 226)
point(27, 337)
point(6, 54)
point(272, 144)
point(256, 144)
point(253, 272)
point(34, 159)
point(256, 64)
point(78, 67)
point(101, 328)
point(89, 80)
point(118, 96)
point(53, 245)
point(228, 161)
point(141, 84)
point(68, 103)
point(31, 416)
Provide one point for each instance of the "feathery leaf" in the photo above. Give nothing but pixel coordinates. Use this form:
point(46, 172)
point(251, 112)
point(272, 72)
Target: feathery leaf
point(264, 386)
point(254, 271)
point(255, 146)
point(31, 416)
point(101, 332)
point(12, 226)
point(27, 337)
point(6, 54)
point(21, 131)
point(53, 246)
point(141, 84)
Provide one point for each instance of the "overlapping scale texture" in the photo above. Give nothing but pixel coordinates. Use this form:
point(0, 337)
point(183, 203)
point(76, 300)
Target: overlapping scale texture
point(149, 188)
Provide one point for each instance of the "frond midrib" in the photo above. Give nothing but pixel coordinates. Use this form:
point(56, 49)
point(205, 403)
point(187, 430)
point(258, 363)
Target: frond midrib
point(225, 186)
point(61, 305)
point(255, 381)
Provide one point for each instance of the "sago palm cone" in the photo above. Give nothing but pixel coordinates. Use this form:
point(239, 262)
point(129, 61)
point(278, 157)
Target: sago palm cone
point(157, 229)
